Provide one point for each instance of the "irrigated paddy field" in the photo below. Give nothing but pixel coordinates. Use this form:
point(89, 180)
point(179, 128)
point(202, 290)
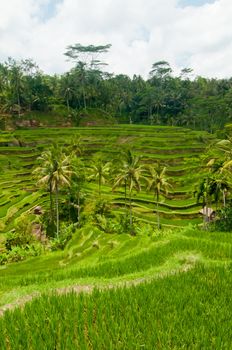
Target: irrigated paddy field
point(180, 150)
point(161, 289)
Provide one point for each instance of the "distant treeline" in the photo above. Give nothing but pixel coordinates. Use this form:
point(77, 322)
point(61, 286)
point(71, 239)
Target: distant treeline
point(163, 98)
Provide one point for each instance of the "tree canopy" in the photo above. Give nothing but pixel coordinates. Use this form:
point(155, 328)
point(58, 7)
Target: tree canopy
point(164, 98)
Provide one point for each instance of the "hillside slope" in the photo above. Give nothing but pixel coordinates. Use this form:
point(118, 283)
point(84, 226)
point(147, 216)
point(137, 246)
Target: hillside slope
point(177, 148)
point(171, 289)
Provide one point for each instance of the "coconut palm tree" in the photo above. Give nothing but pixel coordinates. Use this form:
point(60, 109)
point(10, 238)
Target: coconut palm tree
point(75, 191)
point(220, 156)
point(99, 171)
point(75, 148)
point(221, 167)
point(158, 182)
point(219, 187)
point(204, 192)
point(225, 146)
point(129, 176)
point(53, 172)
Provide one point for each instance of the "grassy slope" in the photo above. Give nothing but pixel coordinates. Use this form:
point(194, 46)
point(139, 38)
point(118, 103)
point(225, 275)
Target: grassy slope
point(185, 302)
point(94, 257)
point(178, 280)
point(177, 148)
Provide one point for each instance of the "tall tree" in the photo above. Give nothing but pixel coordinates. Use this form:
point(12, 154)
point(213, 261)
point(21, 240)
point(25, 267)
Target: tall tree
point(129, 175)
point(204, 192)
point(99, 171)
point(54, 172)
point(86, 59)
point(15, 74)
point(158, 182)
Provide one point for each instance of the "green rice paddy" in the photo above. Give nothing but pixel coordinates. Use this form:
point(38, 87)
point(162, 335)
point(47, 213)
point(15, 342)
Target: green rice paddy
point(161, 289)
point(177, 148)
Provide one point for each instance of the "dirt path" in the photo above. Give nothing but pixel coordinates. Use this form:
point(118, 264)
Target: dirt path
point(89, 288)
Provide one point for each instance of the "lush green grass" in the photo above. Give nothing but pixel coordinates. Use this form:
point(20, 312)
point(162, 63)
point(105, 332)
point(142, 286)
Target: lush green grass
point(187, 311)
point(160, 289)
point(96, 257)
point(167, 289)
point(177, 148)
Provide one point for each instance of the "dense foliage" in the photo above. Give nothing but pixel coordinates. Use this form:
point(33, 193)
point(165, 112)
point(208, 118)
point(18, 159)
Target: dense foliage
point(163, 98)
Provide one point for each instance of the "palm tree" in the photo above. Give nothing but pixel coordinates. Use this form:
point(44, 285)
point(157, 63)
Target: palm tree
point(219, 186)
point(205, 192)
point(221, 169)
point(129, 176)
point(75, 192)
point(75, 148)
point(158, 182)
point(15, 72)
point(68, 94)
point(44, 174)
point(99, 171)
point(54, 171)
point(225, 146)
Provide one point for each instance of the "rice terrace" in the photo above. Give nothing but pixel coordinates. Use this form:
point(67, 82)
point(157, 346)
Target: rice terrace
point(104, 287)
point(115, 191)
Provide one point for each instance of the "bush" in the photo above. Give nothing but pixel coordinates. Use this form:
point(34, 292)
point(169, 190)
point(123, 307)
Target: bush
point(224, 220)
point(102, 207)
point(22, 235)
point(66, 233)
point(21, 243)
point(18, 253)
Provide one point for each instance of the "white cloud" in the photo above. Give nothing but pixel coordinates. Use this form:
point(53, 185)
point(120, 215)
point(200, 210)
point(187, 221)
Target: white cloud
point(141, 33)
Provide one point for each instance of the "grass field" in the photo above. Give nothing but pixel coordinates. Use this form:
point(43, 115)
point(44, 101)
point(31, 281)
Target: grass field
point(168, 290)
point(161, 289)
point(177, 148)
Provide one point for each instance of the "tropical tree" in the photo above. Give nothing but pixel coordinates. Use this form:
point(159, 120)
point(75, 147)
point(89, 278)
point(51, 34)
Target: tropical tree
point(16, 83)
point(220, 165)
point(129, 176)
point(54, 171)
point(75, 148)
point(99, 171)
point(86, 59)
point(219, 185)
point(160, 70)
point(158, 182)
point(205, 192)
point(76, 194)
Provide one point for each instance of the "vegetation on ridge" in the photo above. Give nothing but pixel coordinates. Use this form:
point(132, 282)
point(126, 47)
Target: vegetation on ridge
point(107, 219)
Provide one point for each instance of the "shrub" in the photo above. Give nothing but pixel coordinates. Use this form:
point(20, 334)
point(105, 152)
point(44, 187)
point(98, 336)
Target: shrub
point(22, 234)
point(224, 220)
point(66, 233)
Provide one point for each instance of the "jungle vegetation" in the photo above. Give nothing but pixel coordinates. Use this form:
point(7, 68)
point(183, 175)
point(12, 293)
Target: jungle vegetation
point(163, 98)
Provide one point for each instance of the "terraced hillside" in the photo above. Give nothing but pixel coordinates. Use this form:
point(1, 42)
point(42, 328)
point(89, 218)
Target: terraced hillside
point(178, 148)
point(167, 290)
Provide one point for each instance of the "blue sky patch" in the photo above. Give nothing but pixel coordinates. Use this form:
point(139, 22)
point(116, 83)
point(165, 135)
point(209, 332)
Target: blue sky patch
point(184, 3)
point(48, 10)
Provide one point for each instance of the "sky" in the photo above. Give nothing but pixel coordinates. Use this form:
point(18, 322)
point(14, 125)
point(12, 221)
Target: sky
point(193, 34)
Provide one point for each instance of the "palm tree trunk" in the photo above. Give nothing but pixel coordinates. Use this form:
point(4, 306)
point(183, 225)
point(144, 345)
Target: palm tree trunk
point(99, 186)
point(57, 212)
point(157, 211)
point(68, 107)
point(207, 214)
point(78, 208)
point(84, 98)
point(51, 202)
point(224, 198)
point(125, 195)
point(131, 221)
point(69, 208)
